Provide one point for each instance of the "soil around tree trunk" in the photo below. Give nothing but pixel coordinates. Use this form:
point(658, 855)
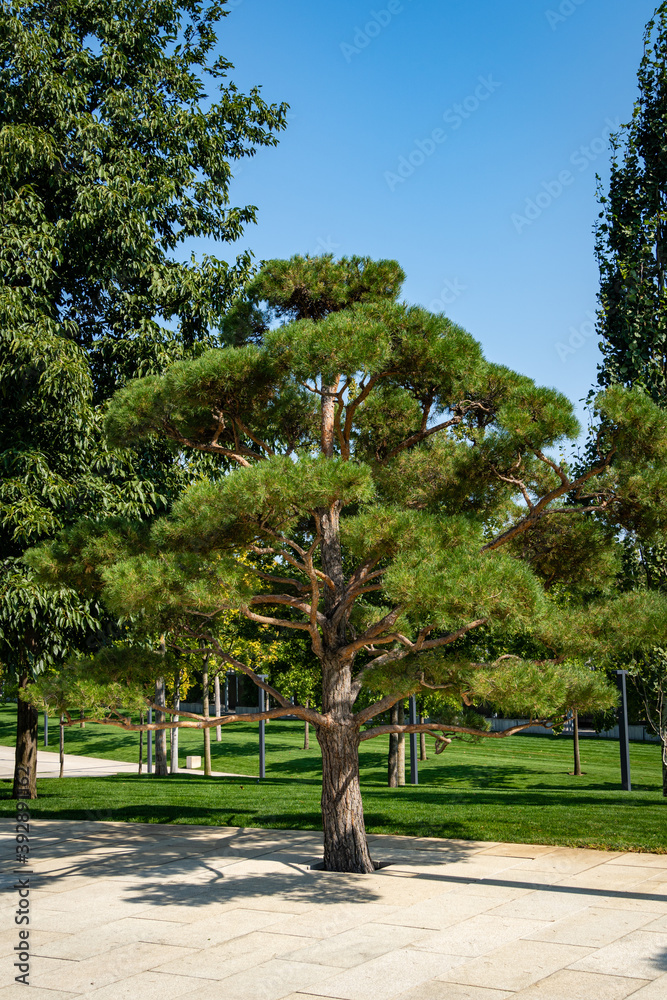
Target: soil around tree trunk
point(345, 843)
point(25, 768)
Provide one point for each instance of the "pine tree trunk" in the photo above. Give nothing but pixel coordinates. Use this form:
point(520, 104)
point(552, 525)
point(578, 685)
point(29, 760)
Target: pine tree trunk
point(392, 758)
point(173, 748)
point(575, 732)
point(400, 755)
point(160, 734)
point(345, 844)
point(62, 747)
point(207, 731)
point(306, 731)
point(218, 707)
point(25, 768)
point(141, 743)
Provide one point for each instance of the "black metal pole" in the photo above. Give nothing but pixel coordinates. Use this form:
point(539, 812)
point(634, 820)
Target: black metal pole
point(149, 744)
point(262, 742)
point(624, 740)
point(414, 766)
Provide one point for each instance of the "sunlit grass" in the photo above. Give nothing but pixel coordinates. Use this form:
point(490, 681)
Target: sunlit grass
point(517, 789)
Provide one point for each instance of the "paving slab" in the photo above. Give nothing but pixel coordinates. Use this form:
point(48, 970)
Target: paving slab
point(121, 911)
point(517, 965)
point(581, 986)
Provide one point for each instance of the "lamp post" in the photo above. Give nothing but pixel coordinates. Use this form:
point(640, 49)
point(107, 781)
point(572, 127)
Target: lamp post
point(623, 735)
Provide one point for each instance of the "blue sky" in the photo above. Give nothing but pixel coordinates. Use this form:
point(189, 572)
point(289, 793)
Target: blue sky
point(460, 137)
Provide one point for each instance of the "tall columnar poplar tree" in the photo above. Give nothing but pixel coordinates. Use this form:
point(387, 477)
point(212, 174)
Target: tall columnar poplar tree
point(379, 468)
point(632, 255)
point(632, 233)
point(112, 155)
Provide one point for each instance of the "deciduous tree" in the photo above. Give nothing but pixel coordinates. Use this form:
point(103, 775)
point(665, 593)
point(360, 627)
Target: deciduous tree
point(112, 157)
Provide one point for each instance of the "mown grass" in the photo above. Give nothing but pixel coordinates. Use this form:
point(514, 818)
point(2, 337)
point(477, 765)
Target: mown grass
point(517, 789)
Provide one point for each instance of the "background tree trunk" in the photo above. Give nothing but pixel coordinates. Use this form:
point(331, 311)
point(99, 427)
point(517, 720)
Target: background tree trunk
point(62, 746)
point(82, 724)
point(160, 734)
point(218, 706)
point(25, 767)
point(400, 754)
point(207, 731)
point(422, 740)
point(141, 743)
point(345, 844)
point(392, 759)
point(173, 747)
point(306, 730)
point(664, 770)
point(575, 741)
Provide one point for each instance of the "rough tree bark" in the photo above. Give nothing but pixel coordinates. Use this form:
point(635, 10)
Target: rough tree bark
point(400, 752)
point(173, 749)
point(218, 706)
point(161, 770)
point(25, 767)
point(141, 743)
point(392, 758)
point(345, 844)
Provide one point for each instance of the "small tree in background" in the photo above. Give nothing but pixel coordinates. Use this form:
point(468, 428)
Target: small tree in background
point(377, 464)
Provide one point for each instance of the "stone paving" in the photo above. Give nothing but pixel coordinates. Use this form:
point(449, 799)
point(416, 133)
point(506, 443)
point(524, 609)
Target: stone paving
point(77, 766)
point(136, 912)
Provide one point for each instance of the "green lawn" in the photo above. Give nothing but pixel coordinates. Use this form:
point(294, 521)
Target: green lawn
point(517, 789)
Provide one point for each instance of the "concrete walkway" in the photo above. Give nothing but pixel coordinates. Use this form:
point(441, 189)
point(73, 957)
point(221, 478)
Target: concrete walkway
point(137, 912)
point(76, 766)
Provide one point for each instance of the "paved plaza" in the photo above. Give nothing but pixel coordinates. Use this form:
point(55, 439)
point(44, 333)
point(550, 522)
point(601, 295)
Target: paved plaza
point(137, 912)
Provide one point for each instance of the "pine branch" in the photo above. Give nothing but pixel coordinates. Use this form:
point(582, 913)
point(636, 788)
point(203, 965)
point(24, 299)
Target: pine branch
point(433, 727)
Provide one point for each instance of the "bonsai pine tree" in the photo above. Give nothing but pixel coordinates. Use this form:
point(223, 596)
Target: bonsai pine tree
point(373, 469)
